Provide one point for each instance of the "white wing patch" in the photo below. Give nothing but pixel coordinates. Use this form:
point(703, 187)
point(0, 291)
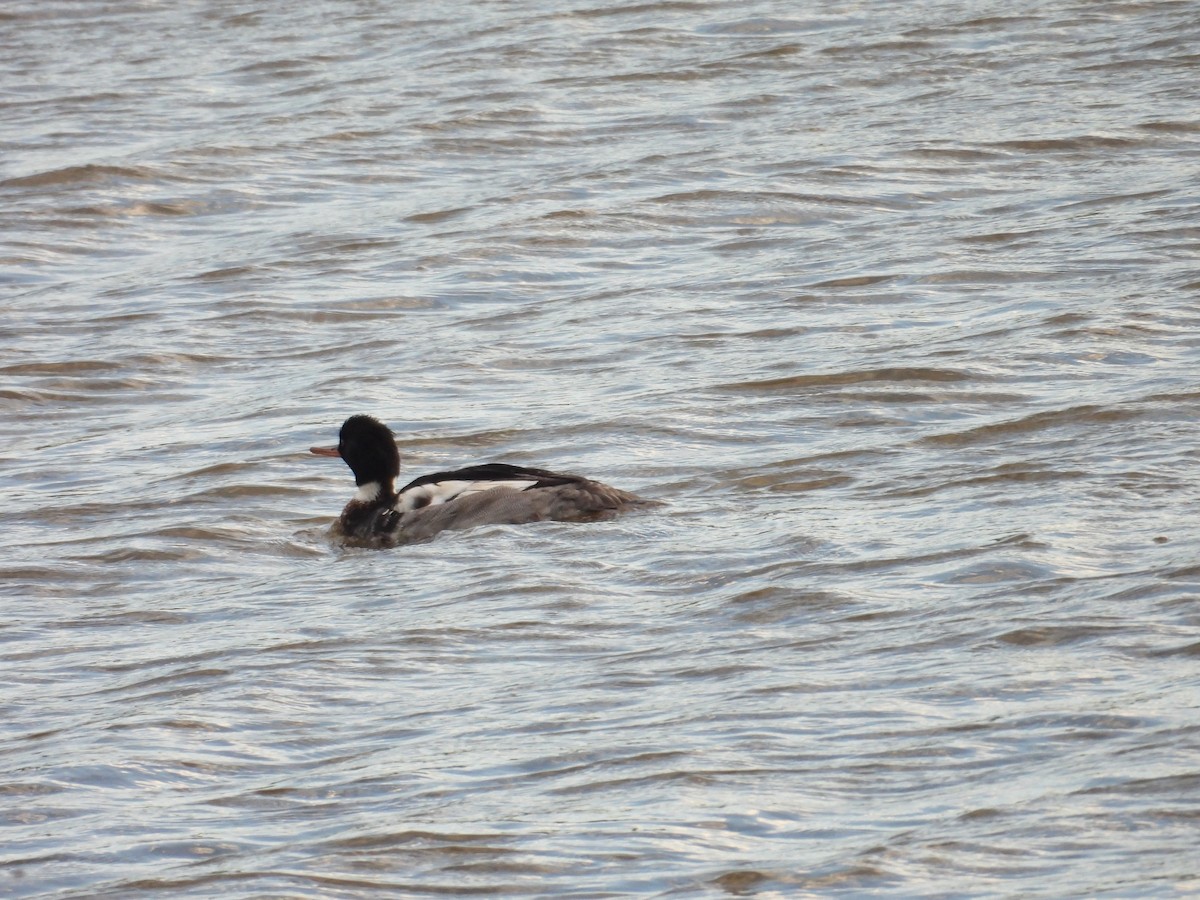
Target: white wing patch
point(444, 491)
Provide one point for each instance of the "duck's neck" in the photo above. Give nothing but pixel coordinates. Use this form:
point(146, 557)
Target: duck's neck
point(376, 493)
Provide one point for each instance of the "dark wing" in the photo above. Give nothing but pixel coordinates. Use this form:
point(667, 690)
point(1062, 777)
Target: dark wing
point(496, 472)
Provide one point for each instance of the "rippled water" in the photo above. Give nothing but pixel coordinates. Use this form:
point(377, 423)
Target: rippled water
point(894, 305)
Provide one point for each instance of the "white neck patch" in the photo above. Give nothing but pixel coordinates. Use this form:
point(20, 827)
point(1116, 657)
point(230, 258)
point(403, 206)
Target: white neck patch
point(368, 493)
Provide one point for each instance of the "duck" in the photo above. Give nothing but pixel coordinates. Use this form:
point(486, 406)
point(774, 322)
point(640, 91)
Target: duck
point(380, 517)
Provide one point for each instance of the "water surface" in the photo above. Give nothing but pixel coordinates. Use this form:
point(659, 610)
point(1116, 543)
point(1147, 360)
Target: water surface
point(894, 306)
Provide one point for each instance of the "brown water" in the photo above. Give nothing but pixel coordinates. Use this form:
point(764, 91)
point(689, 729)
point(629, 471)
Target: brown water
point(895, 305)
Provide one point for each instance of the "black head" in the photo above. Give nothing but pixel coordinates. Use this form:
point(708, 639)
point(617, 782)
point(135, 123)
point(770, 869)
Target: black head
point(369, 449)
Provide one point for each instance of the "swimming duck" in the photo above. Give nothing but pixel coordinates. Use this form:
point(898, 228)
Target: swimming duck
point(490, 494)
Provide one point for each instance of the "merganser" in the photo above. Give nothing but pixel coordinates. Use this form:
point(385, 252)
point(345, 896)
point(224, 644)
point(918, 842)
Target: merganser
point(379, 516)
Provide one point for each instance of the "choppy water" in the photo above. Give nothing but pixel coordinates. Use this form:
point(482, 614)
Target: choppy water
point(895, 306)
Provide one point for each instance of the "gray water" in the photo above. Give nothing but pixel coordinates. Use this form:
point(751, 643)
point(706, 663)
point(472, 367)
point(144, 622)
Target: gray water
point(896, 307)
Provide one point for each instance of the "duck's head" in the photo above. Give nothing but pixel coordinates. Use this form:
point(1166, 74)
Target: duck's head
point(368, 447)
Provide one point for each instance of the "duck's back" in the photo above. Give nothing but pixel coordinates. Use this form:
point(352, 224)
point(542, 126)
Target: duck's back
point(573, 500)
